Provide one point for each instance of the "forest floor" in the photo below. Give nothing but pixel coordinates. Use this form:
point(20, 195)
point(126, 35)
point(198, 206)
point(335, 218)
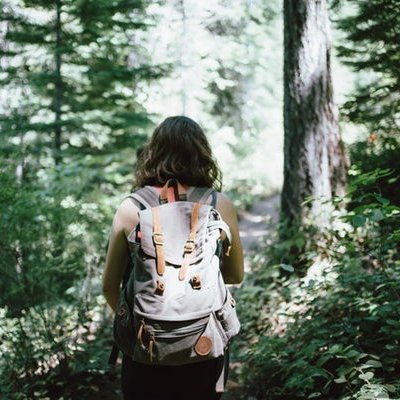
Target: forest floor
point(254, 224)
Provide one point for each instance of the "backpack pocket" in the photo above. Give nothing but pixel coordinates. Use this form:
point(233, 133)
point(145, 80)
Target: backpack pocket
point(188, 305)
point(124, 327)
point(177, 343)
point(227, 319)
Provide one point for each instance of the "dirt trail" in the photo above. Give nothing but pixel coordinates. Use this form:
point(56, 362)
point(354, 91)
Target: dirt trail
point(254, 226)
point(257, 223)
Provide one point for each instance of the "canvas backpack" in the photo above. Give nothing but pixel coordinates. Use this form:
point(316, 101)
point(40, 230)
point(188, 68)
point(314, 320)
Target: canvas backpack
point(174, 306)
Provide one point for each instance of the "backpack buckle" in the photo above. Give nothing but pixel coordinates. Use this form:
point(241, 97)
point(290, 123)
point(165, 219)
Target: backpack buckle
point(158, 238)
point(160, 288)
point(189, 246)
point(196, 282)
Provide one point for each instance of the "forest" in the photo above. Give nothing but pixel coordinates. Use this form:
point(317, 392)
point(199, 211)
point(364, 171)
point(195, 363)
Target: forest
point(300, 100)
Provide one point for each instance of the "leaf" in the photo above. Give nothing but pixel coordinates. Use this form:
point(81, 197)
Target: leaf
point(287, 267)
point(341, 379)
point(382, 200)
point(299, 242)
point(390, 388)
point(374, 363)
point(377, 215)
point(311, 283)
point(352, 353)
point(358, 220)
point(71, 290)
point(323, 360)
point(367, 376)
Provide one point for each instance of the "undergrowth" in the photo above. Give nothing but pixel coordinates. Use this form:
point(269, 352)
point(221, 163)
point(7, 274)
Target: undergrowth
point(320, 310)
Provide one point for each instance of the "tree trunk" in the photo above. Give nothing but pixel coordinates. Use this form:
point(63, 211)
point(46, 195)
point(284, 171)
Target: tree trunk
point(315, 162)
point(58, 87)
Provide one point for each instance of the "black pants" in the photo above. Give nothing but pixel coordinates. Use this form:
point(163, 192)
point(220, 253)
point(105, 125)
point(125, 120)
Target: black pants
point(161, 382)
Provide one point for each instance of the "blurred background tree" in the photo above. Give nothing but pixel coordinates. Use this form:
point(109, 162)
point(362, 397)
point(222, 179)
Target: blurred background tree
point(371, 48)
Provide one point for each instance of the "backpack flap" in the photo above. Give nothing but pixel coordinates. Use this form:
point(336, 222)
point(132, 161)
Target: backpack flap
point(174, 224)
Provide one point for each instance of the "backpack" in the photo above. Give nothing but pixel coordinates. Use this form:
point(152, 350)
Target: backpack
point(174, 306)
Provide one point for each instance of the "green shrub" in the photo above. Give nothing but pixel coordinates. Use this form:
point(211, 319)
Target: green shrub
point(47, 347)
point(52, 240)
point(329, 330)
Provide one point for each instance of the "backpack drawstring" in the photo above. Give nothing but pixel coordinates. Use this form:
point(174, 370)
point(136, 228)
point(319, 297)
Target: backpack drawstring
point(151, 339)
point(151, 343)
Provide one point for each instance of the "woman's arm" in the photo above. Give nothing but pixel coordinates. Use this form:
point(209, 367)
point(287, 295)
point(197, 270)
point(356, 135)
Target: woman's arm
point(233, 265)
point(125, 219)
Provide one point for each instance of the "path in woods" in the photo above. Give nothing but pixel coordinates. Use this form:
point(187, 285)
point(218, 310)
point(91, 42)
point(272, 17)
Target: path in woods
point(257, 223)
point(254, 225)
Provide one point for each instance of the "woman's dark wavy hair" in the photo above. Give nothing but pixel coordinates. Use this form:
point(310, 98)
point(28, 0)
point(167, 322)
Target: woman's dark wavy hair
point(178, 149)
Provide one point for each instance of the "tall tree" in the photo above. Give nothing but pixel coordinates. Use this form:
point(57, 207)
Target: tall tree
point(81, 66)
point(314, 156)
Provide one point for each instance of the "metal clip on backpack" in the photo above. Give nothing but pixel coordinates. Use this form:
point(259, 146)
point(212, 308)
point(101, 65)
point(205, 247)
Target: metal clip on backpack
point(175, 307)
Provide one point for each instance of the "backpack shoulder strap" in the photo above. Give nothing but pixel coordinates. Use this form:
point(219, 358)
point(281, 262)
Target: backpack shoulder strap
point(149, 197)
point(146, 196)
point(201, 194)
point(143, 198)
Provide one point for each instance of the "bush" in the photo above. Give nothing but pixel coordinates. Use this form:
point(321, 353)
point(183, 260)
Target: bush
point(47, 347)
point(330, 329)
point(52, 243)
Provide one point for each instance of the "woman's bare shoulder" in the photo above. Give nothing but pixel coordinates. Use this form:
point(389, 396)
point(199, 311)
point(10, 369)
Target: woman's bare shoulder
point(126, 216)
point(224, 203)
point(233, 267)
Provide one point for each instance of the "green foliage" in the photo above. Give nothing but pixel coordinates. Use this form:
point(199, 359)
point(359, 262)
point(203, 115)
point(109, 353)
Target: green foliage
point(47, 346)
point(71, 79)
point(69, 121)
point(246, 192)
point(372, 46)
point(329, 329)
point(375, 157)
point(51, 257)
point(47, 248)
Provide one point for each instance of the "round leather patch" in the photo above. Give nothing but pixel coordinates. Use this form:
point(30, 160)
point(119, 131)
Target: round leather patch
point(203, 346)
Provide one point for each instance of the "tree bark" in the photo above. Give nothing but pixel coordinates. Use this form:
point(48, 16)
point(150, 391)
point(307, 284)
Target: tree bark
point(315, 162)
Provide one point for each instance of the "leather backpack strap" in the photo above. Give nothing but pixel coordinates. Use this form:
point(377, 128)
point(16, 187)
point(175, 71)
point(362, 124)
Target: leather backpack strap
point(189, 245)
point(158, 239)
point(179, 190)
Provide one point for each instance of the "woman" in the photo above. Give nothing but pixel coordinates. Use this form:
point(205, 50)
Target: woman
point(177, 149)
